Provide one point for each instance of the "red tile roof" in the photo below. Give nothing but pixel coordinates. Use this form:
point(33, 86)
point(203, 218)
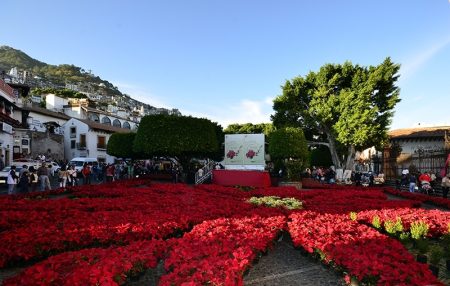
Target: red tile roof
point(420, 132)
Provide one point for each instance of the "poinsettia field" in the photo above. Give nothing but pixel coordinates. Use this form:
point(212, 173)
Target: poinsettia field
point(207, 234)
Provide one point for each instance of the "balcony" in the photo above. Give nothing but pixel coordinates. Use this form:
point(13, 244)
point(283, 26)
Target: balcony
point(81, 146)
point(101, 147)
point(73, 135)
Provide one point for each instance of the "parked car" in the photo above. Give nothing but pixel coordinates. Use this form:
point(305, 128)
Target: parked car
point(79, 162)
point(5, 172)
point(55, 167)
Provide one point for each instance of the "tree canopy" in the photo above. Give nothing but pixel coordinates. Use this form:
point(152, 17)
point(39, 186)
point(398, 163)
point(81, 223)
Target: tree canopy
point(249, 128)
point(178, 136)
point(120, 145)
point(350, 105)
point(288, 145)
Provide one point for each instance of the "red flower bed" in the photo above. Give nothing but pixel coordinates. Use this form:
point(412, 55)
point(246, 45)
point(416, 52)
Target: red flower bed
point(365, 253)
point(436, 220)
point(94, 266)
point(420, 197)
point(102, 234)
point(218, 252)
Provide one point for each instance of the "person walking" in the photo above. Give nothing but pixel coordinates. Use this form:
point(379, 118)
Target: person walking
point(12, 180)
point(71, 176)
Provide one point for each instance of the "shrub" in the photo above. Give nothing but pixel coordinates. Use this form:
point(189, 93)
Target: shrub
point(436, 254)
point(376, 222)
point(392, 227)
point(353, 216)
point(418, 229)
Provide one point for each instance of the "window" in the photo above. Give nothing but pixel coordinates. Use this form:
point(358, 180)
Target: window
point(94, 117)
point(126, 125)
point(82, 143)
point(106, 120)
point(72, 144)
point(117, 123)
point(101, 142)
point(73, 132)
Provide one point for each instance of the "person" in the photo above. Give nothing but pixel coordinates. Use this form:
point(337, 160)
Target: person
point(110, 173)
point(86, 172)
point(412, 183)
point(425, 178)
point(12, 180)
point(33, 179)
point(445, 185)
point(23, 170)
point(42, 173)
point(24, 182)
point(71, 176)
point(63, 174)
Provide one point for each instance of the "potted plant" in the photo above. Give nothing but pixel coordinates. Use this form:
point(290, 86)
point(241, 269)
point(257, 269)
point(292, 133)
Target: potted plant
point(436, 254)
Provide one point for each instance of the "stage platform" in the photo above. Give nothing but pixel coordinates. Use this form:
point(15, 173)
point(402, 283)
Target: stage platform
point(242, 178)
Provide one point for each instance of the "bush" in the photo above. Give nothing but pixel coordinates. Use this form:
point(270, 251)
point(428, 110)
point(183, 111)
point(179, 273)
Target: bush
point(392, 227)
point(376, 222)
point(418, 229)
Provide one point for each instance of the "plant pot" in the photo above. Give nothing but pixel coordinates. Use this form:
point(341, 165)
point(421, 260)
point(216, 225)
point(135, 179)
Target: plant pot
point(447, 264)
point(296, 184)
point(422, 258)
point(434, 269)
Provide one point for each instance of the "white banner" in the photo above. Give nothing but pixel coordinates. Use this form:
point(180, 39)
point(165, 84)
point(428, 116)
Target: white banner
point(244, 149)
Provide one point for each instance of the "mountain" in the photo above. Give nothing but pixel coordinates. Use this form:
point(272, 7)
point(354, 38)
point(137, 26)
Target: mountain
point(53, 75)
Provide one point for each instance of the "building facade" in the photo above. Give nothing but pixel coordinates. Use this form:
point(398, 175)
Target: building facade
point(86, 138)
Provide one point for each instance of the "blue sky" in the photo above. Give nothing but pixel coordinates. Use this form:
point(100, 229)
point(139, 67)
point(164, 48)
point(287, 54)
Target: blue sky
point(226, 60)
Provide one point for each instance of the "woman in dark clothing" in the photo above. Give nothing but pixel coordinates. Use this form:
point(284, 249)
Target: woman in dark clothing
point(24, 182)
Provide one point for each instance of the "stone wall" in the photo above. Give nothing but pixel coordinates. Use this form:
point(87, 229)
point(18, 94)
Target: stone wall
point(50, 145)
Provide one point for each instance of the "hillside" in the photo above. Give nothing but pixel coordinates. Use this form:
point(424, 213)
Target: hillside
point(55, 75)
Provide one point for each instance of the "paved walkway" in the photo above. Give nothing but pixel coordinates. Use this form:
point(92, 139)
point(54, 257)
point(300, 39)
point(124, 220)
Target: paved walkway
point(285, 265)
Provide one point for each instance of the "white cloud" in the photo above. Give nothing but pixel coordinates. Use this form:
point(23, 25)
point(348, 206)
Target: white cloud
point(246, 111)
point(417, 61)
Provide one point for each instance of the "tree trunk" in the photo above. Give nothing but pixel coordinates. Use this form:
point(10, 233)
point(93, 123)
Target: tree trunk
point(332, 146)
point(350, 158)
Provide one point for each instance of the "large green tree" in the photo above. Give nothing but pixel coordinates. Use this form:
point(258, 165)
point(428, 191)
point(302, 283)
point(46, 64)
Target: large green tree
point(182, 137)
point(249, 128)
point(350, 105)
point(120, 145)
point(289, 146)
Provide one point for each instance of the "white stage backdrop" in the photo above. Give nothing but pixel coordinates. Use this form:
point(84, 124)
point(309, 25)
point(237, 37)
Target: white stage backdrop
point(244, 151)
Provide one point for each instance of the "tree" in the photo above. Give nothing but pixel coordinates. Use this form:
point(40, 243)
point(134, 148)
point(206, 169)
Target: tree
point(249, 128)
point(182, 137)
point(350, 105)
point(120, 145)
point(289, 144)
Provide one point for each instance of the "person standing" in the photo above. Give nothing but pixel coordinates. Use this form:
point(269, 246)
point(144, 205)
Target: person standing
point(445, 185)
point(12, 180)
point(33, 179)
point(86, 172)
point(63, 174)
point(24, 182)
point(412, 183)
point(42, 173)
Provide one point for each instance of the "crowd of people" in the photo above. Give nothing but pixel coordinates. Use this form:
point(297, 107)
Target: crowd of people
point(423, 182)
point(42, 178)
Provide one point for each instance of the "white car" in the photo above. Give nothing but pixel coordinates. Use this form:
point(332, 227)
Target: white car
point(5, 172)
point(54, 167)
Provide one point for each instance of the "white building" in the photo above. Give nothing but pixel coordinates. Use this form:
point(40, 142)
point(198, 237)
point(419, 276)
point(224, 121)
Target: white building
point(55, 103)
point(86, 138)
point(8, 100)
point(40, 119)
